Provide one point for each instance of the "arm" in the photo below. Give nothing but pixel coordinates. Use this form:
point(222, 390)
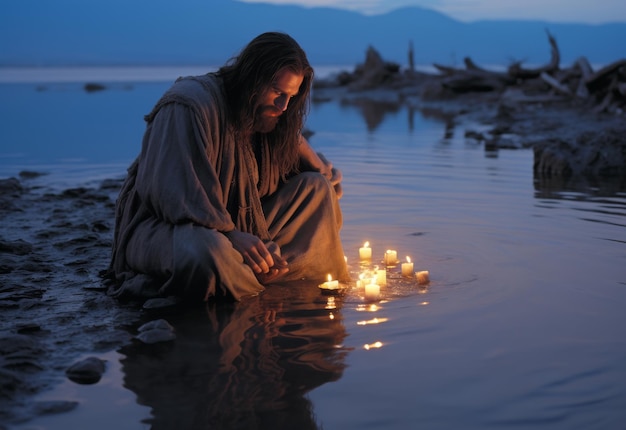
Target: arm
point(311, 161)
point(314, 161)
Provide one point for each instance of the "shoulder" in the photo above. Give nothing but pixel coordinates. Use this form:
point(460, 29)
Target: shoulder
point(199, 89)
point(202, 94)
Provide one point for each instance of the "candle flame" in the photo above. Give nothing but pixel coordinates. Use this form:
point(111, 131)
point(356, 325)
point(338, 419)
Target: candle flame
point(408, 259)
point(330, 278)
point(366, 245)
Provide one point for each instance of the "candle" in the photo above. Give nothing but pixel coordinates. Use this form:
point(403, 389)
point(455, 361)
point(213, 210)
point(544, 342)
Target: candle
point(407, 268)
point(365, 253)
point(381, 276)
point(423, 277)
point(330, 284)
point(391, 257)
point(361, 282)
point(372, 290)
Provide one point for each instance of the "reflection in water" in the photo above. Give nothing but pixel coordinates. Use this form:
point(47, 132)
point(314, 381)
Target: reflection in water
point(242, 365)
point(374, 111)
point(550, 186)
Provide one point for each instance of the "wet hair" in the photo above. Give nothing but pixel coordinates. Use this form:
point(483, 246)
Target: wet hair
point(253, 71)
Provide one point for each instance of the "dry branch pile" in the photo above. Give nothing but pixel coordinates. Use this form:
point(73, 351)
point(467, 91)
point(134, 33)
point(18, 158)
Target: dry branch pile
point(604, 89)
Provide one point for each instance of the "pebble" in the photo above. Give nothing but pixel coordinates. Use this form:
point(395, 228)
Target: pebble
point(87, 371)
point(156, 331)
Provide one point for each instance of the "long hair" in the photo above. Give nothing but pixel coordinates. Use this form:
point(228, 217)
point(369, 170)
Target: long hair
point(253, 71)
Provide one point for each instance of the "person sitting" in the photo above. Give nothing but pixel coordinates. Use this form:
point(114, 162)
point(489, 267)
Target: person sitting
point(226, 195)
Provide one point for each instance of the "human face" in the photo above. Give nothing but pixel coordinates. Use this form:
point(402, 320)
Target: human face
point(275, 99)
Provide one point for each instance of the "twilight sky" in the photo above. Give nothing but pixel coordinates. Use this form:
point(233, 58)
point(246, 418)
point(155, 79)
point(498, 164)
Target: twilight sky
point(578, 11)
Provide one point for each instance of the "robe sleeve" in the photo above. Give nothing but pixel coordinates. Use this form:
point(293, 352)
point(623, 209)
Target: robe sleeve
point(177, 178)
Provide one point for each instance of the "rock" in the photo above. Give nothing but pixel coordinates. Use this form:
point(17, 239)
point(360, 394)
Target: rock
point(87, 371)
point(156, 331)
point(600, 153)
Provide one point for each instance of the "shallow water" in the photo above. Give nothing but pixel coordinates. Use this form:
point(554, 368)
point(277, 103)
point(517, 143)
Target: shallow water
point(521, 325)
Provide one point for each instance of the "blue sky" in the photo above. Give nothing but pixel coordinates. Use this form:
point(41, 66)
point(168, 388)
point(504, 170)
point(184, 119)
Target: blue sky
point(578, 11)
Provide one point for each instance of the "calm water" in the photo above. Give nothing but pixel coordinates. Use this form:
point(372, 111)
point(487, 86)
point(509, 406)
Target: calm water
point(521, 326)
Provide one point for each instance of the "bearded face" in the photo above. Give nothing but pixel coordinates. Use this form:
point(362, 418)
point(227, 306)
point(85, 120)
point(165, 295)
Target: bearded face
point(275, 99)
point(265, 118)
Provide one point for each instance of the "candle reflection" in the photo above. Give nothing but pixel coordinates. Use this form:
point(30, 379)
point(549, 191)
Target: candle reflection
point(369, 346)
point(373, 321)
point(370, 307)
point(330, 303)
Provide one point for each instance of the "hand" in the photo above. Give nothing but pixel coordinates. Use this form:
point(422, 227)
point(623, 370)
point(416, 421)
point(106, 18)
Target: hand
point(335, 181)
point(276, 271)
point(266, 264)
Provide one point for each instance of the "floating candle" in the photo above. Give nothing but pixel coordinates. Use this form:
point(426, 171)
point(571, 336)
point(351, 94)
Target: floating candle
point(391, 257)
point(360, 283)
point(381, 276)
point(407, 268)
point(423, 277)
point(365, 253)
point(330, 284)
point(372, 290)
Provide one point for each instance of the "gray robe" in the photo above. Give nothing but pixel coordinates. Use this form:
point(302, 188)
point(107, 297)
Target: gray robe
point(191, 183)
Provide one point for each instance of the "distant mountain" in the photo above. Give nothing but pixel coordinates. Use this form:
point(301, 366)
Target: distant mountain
point(208, 32)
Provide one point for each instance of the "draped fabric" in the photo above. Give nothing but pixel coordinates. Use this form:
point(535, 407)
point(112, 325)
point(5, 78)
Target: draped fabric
point(193, 181)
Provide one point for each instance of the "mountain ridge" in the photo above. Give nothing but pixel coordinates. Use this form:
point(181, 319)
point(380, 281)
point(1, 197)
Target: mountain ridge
point(158, 32)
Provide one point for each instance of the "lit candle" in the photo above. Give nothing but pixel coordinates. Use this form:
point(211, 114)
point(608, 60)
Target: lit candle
point(365, 253)
point(330, 284)
point(407, 268)
point(381, 276)
point(391, 257)
point(361, 282)
point(372, 290)
point(423, 277)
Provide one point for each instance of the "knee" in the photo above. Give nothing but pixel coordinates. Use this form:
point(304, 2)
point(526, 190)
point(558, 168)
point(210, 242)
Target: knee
point(315, 182)
point(200, 250)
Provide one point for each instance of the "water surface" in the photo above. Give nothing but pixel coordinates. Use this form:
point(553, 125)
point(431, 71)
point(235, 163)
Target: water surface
point(521, 325)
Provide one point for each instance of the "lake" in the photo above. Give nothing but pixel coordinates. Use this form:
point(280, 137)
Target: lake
point(521, 325)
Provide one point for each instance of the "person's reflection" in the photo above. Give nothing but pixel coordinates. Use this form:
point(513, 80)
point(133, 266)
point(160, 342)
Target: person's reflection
point(242, 365)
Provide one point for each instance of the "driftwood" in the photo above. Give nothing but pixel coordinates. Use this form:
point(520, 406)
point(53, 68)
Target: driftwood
point(605, 73)
point(516, 70)
point(554, 83)
point(604, 89)
point(446, 70)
